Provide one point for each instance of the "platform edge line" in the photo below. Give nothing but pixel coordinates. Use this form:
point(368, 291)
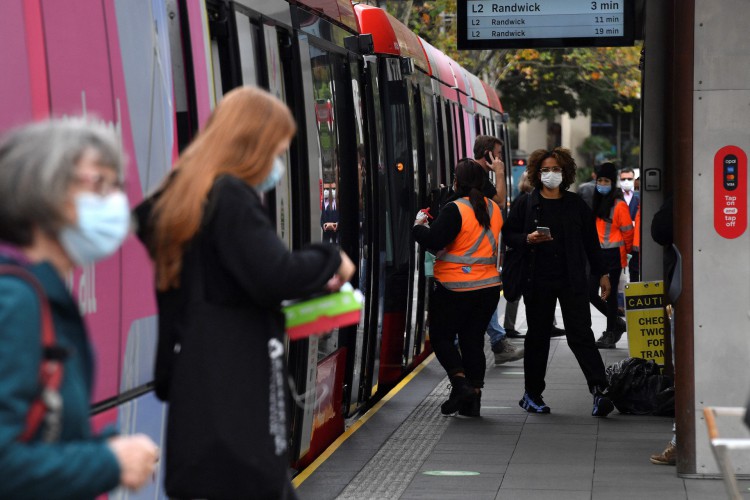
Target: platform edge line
point(307, 472)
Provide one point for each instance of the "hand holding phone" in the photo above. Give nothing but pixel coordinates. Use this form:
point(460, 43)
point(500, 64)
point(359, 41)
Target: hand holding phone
point(544, 231)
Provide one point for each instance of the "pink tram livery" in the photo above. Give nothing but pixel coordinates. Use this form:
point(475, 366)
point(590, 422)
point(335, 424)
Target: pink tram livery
point(383, 116)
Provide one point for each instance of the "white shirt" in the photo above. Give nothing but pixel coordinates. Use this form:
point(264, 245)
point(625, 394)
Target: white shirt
point(628, 195)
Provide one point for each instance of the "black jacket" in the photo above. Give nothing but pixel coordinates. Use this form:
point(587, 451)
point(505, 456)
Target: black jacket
point(581, 239)
point(220, 352)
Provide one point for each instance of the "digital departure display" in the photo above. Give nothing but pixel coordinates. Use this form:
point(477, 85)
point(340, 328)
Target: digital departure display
point(499, 24)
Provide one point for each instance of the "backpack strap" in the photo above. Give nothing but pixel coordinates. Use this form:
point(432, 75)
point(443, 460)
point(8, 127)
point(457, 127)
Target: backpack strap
point(48, 406)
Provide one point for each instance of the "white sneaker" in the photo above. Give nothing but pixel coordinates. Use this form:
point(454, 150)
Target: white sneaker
point(508, 352)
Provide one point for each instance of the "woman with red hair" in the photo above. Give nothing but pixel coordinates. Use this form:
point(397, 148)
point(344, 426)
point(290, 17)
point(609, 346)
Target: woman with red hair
point(221, 275)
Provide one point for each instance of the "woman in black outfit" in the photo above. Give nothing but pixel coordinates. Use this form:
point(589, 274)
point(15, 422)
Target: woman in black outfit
point(555, 269)
point(467, 284)
point(221, 275)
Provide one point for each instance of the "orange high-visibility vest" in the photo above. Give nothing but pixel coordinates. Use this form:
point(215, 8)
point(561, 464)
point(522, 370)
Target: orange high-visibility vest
point(469, 262)
point(619, 232)
point(637, 234)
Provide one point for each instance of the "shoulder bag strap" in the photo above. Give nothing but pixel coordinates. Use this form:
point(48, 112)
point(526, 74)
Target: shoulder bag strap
point(48, 406)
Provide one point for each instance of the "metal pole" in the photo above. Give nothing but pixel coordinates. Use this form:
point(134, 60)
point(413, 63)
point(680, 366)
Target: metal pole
point(682, 126)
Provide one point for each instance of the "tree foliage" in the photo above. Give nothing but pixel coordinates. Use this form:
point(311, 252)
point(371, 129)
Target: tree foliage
point(534, 83)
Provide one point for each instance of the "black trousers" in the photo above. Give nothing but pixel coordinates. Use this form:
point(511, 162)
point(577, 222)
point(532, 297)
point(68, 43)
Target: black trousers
point(540, 312)
point(465, 314)
point(608, 308)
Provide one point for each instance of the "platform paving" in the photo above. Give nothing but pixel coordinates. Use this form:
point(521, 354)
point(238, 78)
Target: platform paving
point(406, 449)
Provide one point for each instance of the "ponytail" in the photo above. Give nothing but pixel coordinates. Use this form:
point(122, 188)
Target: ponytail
point(480, 207)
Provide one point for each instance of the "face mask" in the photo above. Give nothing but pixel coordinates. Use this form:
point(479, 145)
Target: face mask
point(333, 193)
point(603, 190)
point(326, 193)
point(102, 226)
point(627, 185)
point(551, 179)
point(277, 172)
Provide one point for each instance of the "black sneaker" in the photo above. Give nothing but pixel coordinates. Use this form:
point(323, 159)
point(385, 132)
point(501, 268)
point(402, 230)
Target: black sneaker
point(471, 407)
point(533, 404)
point(602, 406)
point(461, 391)
point(606, 341)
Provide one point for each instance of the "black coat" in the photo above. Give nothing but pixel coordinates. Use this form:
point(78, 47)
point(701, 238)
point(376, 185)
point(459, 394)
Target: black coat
point(581, 239)
point(226, 386)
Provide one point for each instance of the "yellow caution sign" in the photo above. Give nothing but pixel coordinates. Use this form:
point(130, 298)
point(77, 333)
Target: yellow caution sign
point(644, 312)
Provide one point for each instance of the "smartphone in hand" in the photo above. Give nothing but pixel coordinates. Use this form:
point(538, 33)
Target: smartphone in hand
point(544, 230)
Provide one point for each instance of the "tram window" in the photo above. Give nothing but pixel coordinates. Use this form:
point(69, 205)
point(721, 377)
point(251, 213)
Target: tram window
point(282, 195)
point(247, 38)
point(216, 65)
point(362, 234)
point(430, 141)
point(450, 142)
point(324, 109)
point(398, 202)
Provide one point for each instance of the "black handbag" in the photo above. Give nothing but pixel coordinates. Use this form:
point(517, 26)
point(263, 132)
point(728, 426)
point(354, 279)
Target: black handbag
point(512, 274)
point(513, 265)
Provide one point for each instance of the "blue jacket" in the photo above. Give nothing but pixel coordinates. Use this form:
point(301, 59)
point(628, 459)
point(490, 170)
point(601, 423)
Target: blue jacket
point(635, 202)
point(78, 465)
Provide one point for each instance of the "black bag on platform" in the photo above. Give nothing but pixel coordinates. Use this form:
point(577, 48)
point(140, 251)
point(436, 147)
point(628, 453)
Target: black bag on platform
point(636, 386)
point(513, 265)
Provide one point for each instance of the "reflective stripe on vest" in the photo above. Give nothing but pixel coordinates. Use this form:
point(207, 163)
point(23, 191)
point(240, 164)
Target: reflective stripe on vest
point(605, 227)
point(470, 261)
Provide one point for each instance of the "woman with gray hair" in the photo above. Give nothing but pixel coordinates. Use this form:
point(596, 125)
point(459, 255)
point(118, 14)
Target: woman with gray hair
point(61, 206)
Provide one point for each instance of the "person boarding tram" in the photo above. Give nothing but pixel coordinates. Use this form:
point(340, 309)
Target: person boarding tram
point(555, 232)
point(467, 284)
point(221, 275)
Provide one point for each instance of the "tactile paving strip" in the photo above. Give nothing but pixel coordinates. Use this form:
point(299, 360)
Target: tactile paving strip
point(393, 467)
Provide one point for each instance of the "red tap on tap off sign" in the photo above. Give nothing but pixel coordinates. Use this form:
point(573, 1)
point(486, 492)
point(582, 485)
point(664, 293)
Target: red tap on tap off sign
point(730, 192)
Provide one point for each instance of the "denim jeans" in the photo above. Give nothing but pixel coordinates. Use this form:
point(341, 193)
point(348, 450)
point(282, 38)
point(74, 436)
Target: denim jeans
point(495, 330)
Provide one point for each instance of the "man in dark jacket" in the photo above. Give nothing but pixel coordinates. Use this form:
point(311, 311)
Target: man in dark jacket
point(555, 232)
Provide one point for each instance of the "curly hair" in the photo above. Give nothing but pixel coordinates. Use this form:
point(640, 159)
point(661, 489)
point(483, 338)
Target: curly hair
point(564, 159)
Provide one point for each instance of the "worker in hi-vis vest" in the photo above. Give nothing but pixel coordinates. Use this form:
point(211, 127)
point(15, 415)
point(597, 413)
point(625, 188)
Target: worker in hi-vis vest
point(467, 284)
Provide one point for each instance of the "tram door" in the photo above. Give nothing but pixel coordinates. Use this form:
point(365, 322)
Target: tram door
point(374, 186)
point(421, 120)
point(338, 212)
point(401, 181)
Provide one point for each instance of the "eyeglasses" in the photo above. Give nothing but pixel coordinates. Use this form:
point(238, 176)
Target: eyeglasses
point(99, 183)
point(546, 170)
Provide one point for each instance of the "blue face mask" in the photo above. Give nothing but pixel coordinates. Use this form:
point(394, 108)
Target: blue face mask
point(603, 190)
point(102, 225)
point(277, 172)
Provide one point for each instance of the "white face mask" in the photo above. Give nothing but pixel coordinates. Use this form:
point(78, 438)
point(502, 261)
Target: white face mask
point(326, 193)
point(627, 185)
point(333, 193)
point(103, 223)
point(277, 172)
point(551, 179)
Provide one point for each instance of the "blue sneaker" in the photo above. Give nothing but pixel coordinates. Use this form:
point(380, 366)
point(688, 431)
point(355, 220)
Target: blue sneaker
point(533, 404)
point(603, 406)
